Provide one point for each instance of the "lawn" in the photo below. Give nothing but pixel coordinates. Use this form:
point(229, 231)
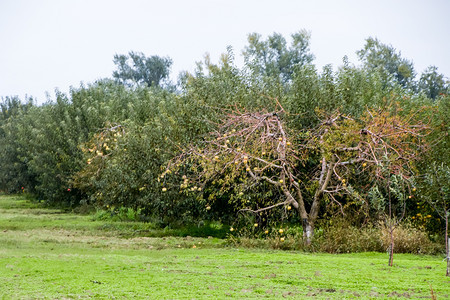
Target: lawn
point(49, 254)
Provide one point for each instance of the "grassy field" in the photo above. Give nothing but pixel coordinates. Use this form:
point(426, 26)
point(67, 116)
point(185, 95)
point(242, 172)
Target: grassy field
point(48, 254)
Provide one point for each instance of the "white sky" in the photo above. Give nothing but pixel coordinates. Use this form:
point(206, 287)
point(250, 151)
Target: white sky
point(48, 44)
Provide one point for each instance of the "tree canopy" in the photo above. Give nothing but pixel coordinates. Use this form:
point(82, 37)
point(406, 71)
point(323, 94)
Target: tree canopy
point(385, 59)
point(136, 68)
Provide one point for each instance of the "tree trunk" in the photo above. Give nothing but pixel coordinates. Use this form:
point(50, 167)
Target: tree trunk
point(308, 231)
point(447, 244)
point(391, 248)
point(448, 258)
point(307, 219)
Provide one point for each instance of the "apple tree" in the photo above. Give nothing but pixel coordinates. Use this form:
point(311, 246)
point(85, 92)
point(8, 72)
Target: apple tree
point(309, 167)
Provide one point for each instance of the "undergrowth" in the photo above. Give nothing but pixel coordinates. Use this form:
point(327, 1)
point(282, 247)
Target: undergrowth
point(338, 236)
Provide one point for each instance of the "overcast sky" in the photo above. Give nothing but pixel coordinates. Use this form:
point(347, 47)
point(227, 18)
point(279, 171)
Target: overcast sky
point(48, 44)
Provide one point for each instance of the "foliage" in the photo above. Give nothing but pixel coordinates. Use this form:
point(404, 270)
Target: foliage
point(251, 149)
point(137, 69)
point(433, 84)
point(350, 136)
point(437, 189)
point(384, 58)
point(272, 58)
point(14, 172)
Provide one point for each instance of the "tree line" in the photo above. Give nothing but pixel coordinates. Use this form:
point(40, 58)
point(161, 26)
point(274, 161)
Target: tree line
point(276, 138)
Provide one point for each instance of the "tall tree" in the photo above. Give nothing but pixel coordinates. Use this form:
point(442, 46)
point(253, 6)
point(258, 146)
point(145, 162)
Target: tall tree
point(14, 171)
point(273, 58)
point(385, 59)
point(137, 69)
point(432, 83)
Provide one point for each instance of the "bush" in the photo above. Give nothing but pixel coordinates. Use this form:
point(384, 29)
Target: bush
point(408, 239)
point(338, 236)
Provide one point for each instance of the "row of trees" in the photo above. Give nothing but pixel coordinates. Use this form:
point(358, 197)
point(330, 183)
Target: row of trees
point(368, 140)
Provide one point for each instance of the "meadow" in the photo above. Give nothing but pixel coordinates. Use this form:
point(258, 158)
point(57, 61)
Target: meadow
point(52, 254)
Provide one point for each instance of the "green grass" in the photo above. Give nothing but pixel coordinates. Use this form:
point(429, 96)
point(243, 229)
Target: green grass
point(47, 254)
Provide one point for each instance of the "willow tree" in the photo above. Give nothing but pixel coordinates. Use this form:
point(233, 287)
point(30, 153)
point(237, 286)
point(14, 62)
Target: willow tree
point(308, 168)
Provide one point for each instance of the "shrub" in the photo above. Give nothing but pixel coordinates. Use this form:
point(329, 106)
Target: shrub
point(408, 239)
point(338, 236)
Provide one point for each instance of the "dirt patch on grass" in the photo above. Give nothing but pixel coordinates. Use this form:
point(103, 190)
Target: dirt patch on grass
point(89, 239)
